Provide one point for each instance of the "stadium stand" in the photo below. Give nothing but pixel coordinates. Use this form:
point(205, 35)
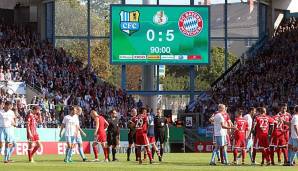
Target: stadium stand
point(55, 74)
point(62, 79)
point(267, 79)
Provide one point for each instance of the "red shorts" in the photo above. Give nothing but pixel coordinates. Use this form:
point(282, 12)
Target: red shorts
point(35, 137)
point(141, 139)
point(261, 142)
point(101, 138)
point(151, 140)
point(278, 141)
point(239, 143)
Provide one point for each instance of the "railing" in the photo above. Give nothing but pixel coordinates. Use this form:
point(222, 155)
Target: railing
point(34, 87)
point(222, 77)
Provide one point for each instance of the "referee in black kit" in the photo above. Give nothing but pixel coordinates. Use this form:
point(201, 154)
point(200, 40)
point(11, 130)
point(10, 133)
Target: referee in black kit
point(131, 134)
point(113, 133)
point(161, 126)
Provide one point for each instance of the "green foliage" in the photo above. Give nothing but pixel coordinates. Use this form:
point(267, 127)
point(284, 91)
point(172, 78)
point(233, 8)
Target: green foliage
point(177, 76)
point(172, 82)
point(208, 74)
point(71, 20)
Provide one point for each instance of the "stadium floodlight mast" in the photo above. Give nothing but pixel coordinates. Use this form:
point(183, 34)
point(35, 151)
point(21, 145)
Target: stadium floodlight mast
point(148, 76)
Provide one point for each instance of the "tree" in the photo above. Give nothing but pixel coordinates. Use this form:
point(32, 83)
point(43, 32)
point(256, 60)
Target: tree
point(71, 20)
point(208, 74)
point(177, 76)
point(134, 75)
point(172, 82)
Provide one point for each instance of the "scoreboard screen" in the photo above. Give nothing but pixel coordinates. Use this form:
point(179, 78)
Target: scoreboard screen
point(146, 34)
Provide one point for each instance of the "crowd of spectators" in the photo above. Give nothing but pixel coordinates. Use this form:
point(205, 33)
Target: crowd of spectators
point(62, 79)
point(267, 79)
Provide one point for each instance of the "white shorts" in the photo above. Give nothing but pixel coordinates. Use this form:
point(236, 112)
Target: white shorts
point(294, 142)
point(79, 140)
point(220, 140)
point(70, 139)
point(7, 134)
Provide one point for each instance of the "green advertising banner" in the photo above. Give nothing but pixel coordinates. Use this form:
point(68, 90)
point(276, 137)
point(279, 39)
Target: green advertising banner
point(159, 34)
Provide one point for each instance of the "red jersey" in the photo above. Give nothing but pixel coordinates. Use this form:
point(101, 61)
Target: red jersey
point(226, 116)
point(141, 124)
point(287, 117)
point(262, 125)
point(242, 128)
point(32, 120)
point(103, 124)
point(277, 126)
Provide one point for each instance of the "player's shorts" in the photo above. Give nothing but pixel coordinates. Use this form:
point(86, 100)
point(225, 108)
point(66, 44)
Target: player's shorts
point(142, 139)
point(101, 138)
point(113, 139)
point(261, 143)
point(160, 136)
point(35, 137)
point(249, 143)
point(131, 138)
point(7, 134)
point(70, 139)
point(79, 140)
point(151, 139)
point(278, 141)
point(239, 143)
point(220, 140)
point(294, 142)
point(213, 140)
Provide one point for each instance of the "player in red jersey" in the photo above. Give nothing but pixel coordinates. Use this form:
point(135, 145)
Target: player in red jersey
point(278, 140)
point(141, 125)
point(33, 118)
point(100, 135)
point(240, 136)
point(261, 127)
point(287, 117)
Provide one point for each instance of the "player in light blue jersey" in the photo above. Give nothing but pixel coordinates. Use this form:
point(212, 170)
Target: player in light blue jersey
point(79, 141)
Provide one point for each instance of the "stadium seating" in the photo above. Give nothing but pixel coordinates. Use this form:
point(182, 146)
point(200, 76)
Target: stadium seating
point(267, 79)
point(61, 78)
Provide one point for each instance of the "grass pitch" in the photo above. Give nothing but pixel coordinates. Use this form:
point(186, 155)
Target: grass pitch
point(172, 161)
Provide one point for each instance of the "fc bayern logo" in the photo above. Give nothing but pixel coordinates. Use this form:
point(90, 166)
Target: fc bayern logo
point(190, 23)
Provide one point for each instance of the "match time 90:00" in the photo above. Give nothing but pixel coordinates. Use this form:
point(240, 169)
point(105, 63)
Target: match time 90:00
point(151, 36)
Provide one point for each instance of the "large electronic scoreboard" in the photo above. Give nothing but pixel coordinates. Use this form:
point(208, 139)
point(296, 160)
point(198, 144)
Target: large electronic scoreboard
point(146, 34)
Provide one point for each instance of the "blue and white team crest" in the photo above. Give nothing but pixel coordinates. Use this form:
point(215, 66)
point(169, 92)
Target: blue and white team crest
point(129, 21)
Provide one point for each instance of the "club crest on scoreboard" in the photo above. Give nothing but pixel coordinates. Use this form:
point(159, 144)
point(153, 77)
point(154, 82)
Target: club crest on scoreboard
point(160, 18)
point(190, 23)
point(129, 21)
